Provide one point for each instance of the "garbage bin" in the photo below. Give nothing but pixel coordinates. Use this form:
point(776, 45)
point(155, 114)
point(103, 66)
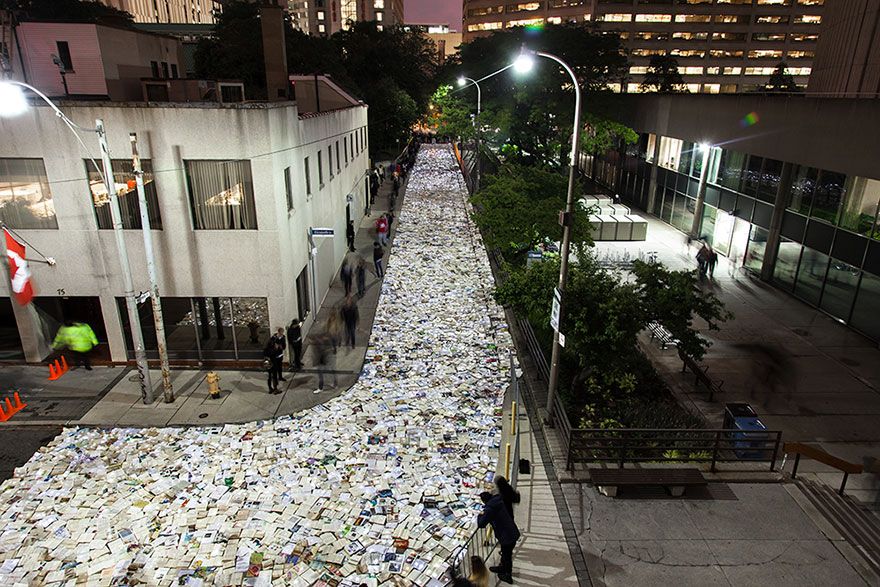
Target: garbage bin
point(747, 433)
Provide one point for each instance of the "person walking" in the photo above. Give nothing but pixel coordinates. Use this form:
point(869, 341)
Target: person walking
point(495, 514)
point(350, 317)
point(711, 262)
point(361, 274)
point(274, 352)
point(324, 359)
point(346, 275)
point(79, 339)
point(349, 235)
point(508, 494)
point(294, 340)
point(377, 259)
point(703, 260)
point(395, 189)
point(382, 230)
point(389, 216)
point(334, 328)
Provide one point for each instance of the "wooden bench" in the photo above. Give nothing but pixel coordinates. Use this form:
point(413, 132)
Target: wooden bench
point(663, 336)
point(674, 480)
point(701, 375)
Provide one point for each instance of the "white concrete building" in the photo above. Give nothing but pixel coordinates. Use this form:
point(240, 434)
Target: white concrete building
point(233, 192)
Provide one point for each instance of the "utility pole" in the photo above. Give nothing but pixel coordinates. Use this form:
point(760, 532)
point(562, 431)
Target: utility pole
point(137, 336)
point(167, 389)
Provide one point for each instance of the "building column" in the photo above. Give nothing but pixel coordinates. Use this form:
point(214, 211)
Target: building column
point(701, 195)
point(652, 186)
point(771, 250)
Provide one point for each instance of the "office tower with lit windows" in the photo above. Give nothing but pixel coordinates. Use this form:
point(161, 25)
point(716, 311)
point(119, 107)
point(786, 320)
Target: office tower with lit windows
point(325, 17)
point(169, 11)
point(720, 45)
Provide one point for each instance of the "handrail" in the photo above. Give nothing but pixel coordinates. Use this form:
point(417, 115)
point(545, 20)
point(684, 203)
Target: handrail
point(817, 454)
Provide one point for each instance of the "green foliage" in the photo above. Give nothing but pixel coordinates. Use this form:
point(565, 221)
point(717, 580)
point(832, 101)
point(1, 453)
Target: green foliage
point(450, 115)
point(674, 299)
point(663, 76)
point(518, 209)
point(69, 11)
point(602, 134)
point(780, 82)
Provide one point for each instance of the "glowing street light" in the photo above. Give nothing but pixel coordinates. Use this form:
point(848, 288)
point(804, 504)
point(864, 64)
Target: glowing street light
point(524, 63)
point(462, 81)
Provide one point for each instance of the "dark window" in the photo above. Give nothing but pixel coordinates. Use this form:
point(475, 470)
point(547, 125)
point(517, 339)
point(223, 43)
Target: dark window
point(752, 176)
point(288, 188)
point(221, 194)
point(157, 92)
point(308, 177)
point(803, 184)
point(303, 302)
point(174, 73)
point(126, 190)
point(811, 275)
point(330, 161)
point(840, 289)
point(829, 195)
point(165, 73)
point(64, 55)
point(769, 180)
point(154, 68)
point(866, 312)
point(25, 197)
point(231, 93)
point(338, 163)
point(345, 149)
point(730, 168)
point(320, 171)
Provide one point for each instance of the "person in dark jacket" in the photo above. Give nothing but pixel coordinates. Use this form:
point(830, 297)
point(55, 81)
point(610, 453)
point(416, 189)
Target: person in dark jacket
point(274, 351)
point(349, 235)
point(350, 316)
point(495, 514)
point(508, 494)
point(377, 259)
point(295, 340)
point(346, 274)
point(360, 271)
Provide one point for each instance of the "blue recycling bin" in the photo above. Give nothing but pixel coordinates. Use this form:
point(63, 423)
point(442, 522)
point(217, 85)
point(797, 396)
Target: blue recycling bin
point(748, 434)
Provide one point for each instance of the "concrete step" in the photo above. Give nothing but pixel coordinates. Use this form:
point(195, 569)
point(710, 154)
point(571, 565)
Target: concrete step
point(857, 525)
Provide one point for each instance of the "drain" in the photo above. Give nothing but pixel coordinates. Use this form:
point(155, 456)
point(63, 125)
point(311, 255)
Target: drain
point(203, 415)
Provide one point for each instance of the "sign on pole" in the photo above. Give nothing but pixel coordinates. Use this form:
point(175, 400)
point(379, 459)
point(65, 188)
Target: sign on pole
point(561, 340)
point(554, 313)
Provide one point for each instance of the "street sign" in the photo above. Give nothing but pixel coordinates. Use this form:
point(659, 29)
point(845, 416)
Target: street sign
point(322, 232)
point(561, 340)
point(554, 313)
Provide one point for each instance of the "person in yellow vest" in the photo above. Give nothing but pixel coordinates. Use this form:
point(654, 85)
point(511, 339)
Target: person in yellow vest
point(79, 339)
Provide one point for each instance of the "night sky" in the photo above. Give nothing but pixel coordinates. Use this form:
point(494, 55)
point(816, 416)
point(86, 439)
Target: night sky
point(434, 12)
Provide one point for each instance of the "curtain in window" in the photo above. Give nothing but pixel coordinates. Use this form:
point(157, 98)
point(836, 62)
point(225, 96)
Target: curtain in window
point(221, 194)
point(123, 180)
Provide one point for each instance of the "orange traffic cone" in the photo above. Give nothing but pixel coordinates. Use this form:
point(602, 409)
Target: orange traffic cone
point(9, 406)
point(52, 374)
point(18, 403)
point(64, 364)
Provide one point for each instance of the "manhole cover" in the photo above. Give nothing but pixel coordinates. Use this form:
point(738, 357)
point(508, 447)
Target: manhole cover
point(203, 415)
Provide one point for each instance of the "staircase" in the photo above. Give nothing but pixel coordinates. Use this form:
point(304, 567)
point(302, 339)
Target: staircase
point(859, 526)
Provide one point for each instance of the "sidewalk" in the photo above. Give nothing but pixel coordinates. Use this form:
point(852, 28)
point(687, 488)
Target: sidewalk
point(831, 393)
point(110, 396)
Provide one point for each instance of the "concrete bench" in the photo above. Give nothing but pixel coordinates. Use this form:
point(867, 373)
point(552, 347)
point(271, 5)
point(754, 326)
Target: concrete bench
point(675, 481)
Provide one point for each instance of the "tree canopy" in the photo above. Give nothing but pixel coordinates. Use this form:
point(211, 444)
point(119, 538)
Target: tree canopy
point(663, 75)
point(780, 81)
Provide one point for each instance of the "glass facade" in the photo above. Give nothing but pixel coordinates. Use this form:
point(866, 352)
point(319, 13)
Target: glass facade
point(825, 256)
point(25, 196)
point(126, 189)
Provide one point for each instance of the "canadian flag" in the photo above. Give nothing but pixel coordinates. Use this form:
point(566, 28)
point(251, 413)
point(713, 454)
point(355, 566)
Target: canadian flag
point(19, 272)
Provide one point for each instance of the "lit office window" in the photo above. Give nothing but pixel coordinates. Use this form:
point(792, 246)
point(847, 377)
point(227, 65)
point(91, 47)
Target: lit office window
point(765, 54)
point(760, 70)
point(379, 16)
point(807, 19)
point(615, 17)
point(772, 19)
point(688, 53)
point(555, 20)
point(653, 18)
point(322, 28)
point(803, 38)
point(380, 4)
point(483, 11)
point(484, 26)
point(524, 7)
point(713, 71)
point(123, 182)
point(320, 15)
point(726, 54)
point(738, 37)
point(731, 71)
point(649, 36)
point(811, 2)
point(690, 70)
point(638, 70)
point(732, 18)
point(801, 54)
point(526, 22)
point(692, 18)
point(775, 2)
point(221, 194)
point(712, 88)
point(693, 89)
point(25, 197)
point(769, 37)
point(687, 36)
point(647, 52)
point(566, 3)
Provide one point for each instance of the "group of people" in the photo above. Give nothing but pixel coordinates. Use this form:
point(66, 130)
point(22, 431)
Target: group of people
point(707, 259)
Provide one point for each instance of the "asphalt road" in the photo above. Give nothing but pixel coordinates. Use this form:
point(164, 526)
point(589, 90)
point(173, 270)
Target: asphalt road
point(18, 443)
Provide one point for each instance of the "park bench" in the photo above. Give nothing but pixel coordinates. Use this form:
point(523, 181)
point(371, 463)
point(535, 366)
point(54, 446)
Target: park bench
point(607, 481)
point(701, 375)
point(661, 335)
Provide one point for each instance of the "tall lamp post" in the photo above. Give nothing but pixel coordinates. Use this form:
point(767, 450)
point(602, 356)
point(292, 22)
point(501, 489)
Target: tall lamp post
point(461, 83)
point(12, 103)
point(523, 64)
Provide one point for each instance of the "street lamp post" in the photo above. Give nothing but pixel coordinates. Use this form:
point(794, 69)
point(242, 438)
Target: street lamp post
point(523, 64)
point(12, 103)
point(478, 167)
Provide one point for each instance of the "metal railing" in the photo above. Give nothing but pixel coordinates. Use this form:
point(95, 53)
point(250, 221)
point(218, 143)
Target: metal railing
point(817, 454)
point(673, 445)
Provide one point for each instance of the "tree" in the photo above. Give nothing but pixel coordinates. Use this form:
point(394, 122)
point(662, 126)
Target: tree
point(449, 114)
point(68, 10)
point(780, 82)
point(518, 209)
point(663, 75)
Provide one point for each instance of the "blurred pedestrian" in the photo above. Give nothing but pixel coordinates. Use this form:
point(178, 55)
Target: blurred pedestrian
point(389, 216)
point(79, 339)
point(479, 576)
point(294, 339)
point(361, 274)
point(703, 260)
point(350, 317)
point(495, 514)
point(374, 187)
point(274, 353)
point(349, 235)
point(325, 358)
point(377, 259)
point(334, 328)
point(382, 230)
point(346, 275)
point(508, 494)
point(711, 261)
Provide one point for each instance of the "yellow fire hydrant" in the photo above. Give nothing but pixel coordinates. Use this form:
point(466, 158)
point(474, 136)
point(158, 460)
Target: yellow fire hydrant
point(213, 384)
